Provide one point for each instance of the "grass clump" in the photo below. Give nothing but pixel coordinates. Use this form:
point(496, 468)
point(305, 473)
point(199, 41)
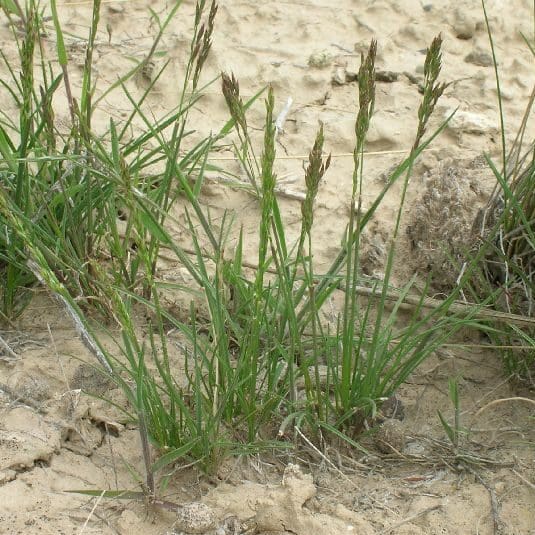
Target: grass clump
point(504, 239)
point(348, 371)
point(259, 359)
point(76, 188)
point(506, 231)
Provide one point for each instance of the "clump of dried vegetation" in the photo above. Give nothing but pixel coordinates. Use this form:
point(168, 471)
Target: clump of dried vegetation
point(505, 230)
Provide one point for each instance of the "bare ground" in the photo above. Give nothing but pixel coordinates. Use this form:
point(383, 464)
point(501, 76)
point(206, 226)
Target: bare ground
point(55, 438)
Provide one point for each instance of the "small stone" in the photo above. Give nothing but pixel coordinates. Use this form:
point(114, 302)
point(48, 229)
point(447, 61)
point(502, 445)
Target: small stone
point(479, 58)
point(320, 60)
point(390, 437)
point(194, 517)
point(467, 122)
point(386, 76)
point(339, 76)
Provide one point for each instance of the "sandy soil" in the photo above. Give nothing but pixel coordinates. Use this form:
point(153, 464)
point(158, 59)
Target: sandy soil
point(53, 437)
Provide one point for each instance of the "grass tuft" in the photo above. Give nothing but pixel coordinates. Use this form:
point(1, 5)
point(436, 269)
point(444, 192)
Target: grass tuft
point(87, 214)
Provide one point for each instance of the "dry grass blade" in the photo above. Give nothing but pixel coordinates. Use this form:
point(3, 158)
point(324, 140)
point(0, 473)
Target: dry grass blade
point(11, 355)
point(521, 477)
point(505, 400)
point(415, 516)
point(411, 301)
point(95, 505)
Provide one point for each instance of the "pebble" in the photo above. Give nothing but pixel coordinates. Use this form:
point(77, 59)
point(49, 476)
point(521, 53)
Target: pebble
point(339, 76)
point(467, 122)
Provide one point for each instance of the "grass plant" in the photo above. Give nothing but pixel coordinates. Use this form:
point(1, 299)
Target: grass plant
point(505, 233)
point(87, 214)
point(348, 373)
point(453, 431)
point(74, 185)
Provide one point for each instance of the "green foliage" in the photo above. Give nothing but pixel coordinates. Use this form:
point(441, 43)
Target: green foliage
point(72, 187)
point(453, 431)
point(505, 242)
point(87, 216)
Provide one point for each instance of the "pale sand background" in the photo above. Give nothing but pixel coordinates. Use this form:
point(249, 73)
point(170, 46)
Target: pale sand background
point(61, 447)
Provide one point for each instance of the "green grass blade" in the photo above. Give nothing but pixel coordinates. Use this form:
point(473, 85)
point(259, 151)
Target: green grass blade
point(60, 44)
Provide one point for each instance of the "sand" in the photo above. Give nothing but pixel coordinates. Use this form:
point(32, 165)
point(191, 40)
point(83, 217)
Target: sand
point(53, 437)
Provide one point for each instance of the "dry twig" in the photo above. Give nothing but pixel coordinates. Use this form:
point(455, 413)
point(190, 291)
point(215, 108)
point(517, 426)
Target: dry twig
point(410, 518)
point(11, 355)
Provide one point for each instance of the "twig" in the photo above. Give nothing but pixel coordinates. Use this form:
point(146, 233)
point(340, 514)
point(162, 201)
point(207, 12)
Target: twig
point(456, 307)
point(497, 401)
point(495, 429)
point(11, 355)
point(97, 501)
point(527, 482)
point(494, 507)
point(323, 456)
point(411, 518)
